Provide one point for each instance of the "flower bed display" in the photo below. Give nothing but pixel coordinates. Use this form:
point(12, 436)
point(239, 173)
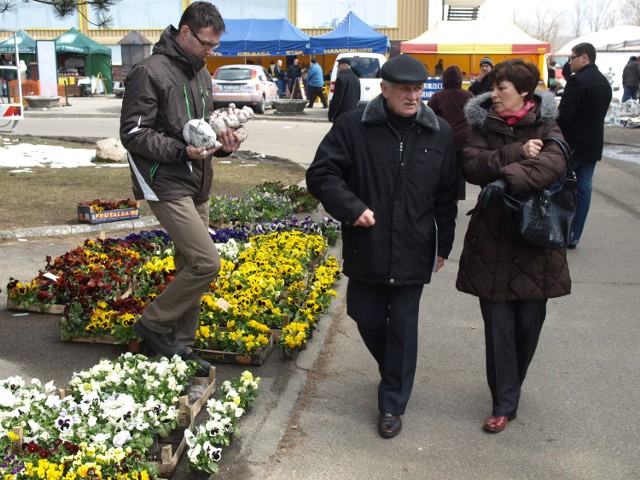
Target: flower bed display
point(97, 270)
point(273, 274)
point(268, 202)
point(97, 211)
point(106, 423)
point(263, 285)
point(205, 440)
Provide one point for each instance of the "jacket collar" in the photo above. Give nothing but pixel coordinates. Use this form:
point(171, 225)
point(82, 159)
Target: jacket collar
point(374, 113)
point(477, 108)
point(167, 45)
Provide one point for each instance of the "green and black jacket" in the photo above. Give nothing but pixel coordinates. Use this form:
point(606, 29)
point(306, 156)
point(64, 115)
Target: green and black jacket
point(163, 92)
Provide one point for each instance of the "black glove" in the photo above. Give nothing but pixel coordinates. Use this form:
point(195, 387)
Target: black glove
point(491, 192)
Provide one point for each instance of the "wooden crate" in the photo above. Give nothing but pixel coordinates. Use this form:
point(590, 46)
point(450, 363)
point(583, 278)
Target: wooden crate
point(255, 358)
point(170, 457)
point(89, 215)
point(52, 309)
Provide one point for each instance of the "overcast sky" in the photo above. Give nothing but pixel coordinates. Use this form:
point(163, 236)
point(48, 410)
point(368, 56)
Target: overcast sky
point(505, 8)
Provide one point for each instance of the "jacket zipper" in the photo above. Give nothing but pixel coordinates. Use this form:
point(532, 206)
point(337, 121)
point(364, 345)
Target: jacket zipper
point(186, 100)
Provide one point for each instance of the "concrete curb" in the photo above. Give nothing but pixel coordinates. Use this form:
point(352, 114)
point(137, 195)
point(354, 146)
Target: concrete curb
point(63, 230)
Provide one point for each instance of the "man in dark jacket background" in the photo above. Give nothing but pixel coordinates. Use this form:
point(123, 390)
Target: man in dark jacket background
point(583, 106)
point(481, 85)
point(164, 92)
point(449, 104)
point(346, 93)
point(293, 73)
point(631, 79)
point(388, 173)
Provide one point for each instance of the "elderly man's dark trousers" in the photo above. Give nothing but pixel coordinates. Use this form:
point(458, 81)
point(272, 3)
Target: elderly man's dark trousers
point(387, 319)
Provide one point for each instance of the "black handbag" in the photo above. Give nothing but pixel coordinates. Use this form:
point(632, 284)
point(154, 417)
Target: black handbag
point(544, 217)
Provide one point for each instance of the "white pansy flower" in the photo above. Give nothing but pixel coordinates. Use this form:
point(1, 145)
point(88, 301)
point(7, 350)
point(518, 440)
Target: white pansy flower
point(7, 399)
point(189, 437)
point(121, 438)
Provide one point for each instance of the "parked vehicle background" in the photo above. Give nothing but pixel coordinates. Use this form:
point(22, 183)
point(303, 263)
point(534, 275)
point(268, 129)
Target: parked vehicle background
point(366, 66)
point(250, 85)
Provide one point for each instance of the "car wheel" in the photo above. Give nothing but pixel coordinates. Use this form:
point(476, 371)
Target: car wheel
point(261, 107)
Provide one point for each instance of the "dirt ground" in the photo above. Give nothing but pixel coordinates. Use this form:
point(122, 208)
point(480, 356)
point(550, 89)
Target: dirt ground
point(48, 196)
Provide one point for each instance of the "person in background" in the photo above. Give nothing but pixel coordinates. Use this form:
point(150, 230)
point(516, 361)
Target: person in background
point(315, 81)
point(388, 174)
point(449, 104)
point(551, 74)
point(631, 79)
point(272, 68)
point(481, 85)
point(164, 92)
point(279, 76)
point(439, 70)
point(566, 70)
point(5, 76)
point(293, 73)
point(584, 104)
point(512, 279)
point(346, 92)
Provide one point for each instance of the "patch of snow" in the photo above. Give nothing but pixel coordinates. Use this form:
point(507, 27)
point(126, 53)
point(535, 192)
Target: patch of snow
point(24, 156)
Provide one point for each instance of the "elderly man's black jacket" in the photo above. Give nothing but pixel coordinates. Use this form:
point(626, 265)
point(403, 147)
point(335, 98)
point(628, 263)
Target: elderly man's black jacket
point(410, 184)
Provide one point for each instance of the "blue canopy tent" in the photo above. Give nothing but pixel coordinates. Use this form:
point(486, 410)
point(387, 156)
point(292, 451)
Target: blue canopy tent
point(351, 35)
point(253, 37)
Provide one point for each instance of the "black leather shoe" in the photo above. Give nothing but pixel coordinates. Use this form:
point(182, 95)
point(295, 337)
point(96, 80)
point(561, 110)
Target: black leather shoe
point(389, 425)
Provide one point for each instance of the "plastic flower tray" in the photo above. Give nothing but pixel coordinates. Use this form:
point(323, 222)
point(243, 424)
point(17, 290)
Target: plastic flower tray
point(220, 356)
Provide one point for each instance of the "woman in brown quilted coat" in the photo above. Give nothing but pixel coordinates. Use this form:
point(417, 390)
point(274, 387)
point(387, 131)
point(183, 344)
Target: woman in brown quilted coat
point(513, 280)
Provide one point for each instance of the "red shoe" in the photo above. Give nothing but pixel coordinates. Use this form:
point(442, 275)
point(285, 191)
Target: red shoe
point(495, 424)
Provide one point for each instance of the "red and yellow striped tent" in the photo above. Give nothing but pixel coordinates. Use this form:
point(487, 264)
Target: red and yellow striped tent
point(464, 43)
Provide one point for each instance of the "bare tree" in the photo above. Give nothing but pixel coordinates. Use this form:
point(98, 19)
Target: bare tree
point(546, 24)
point(594, 16)
point(578, 20)
point(64, 8)
point(631, 12)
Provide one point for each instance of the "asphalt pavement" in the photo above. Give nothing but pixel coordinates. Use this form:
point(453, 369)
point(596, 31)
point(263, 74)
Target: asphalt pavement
point(315, 418)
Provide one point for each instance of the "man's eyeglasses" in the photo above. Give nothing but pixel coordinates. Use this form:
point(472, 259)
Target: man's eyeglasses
point(572, 57)
point(207, 45)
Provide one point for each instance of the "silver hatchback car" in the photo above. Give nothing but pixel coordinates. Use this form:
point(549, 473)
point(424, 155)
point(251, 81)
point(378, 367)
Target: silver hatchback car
point(244, 85)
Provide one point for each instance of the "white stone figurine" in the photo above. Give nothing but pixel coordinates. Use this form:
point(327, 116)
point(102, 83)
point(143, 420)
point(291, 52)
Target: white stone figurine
point(200, 134)
point(233, 118)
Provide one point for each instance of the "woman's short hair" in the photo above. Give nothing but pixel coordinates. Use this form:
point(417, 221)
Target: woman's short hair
point(524, 75)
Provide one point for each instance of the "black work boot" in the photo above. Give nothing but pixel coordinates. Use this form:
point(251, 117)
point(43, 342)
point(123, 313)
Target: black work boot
point(163, 343)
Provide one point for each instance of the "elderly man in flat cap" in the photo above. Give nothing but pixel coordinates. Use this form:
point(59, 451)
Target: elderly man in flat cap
point(388, 173)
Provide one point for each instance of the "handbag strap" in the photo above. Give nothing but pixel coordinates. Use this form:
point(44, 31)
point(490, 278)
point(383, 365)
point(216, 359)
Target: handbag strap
point(564, 147)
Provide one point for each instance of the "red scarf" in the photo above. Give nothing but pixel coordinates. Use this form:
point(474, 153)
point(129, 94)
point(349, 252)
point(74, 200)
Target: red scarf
point(515, 117)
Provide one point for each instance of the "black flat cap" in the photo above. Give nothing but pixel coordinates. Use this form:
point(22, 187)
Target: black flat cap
point(404, 69)
point(346, 61)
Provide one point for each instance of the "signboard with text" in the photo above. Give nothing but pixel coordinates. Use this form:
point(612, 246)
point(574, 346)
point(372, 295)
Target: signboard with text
point(433, 85)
